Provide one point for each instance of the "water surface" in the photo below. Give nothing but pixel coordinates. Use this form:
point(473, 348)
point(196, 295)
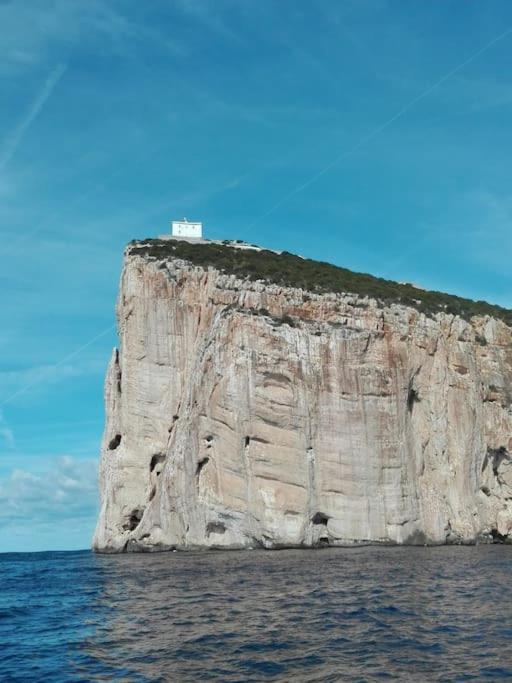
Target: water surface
point(362, 614)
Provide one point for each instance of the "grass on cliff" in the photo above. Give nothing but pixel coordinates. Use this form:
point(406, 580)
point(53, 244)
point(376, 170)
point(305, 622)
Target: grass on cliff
point(289, 270)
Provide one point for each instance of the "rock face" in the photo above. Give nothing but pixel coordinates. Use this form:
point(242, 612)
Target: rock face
point(244, 414)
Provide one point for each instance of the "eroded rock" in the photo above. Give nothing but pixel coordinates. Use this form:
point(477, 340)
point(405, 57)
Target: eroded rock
point(241, 413)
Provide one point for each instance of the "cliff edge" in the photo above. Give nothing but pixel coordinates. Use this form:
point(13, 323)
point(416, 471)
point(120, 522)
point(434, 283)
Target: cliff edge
point(260, 399)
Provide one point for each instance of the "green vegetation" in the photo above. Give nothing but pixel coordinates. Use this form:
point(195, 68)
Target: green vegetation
point(289, 270)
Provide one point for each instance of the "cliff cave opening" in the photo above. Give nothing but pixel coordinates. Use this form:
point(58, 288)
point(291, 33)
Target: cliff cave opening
point(320, 518)
point(134, 520)
point(114, 443)
point(497, 537)
point(497, 456)
point(412, 398)
point(156, 459)
point(201, 464)
point(215, 528)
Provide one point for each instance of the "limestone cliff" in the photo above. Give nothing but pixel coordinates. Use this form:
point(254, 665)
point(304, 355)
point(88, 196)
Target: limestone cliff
point(241, 413)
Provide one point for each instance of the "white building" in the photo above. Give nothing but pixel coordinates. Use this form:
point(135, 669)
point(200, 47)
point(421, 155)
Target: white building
point(185, 228)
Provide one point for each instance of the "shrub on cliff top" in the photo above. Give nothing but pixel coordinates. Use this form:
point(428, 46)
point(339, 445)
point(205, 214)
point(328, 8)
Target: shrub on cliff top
point(288, 270)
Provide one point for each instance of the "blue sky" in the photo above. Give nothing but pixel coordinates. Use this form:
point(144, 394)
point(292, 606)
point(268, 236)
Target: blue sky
point(116, 116)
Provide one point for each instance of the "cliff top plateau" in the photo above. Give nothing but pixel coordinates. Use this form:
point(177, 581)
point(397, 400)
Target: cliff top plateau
point(289, 270)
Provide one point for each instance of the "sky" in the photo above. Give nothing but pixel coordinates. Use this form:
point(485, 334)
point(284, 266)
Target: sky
point(374, 134)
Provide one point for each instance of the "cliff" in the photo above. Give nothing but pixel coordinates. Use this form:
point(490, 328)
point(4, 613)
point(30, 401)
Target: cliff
point(245, 410)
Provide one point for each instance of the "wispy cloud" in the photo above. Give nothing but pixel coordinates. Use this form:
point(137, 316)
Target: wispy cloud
point(381, 128)
point(66, 489)
point(34, 32)
point(476, 230)
point(210, 15)
point(6, 433)
point(476, 216)
point(28, 379)
point(16, 382)
point(14, 139)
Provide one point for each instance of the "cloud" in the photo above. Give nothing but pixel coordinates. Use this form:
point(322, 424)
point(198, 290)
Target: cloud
point(15, 138)
point(475, 231)
point(68, 489)
point(375, 132)
point(208, 14)
point(53, 508)
point(6, 433)
point(482, 229)
point(14, 383)
point(35, 32)
point(7, 436)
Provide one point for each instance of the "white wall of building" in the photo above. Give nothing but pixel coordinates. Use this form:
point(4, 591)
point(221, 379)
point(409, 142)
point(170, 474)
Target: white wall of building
point(186, 229)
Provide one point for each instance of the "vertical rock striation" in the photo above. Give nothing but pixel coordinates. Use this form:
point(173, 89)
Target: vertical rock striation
point(241, 414)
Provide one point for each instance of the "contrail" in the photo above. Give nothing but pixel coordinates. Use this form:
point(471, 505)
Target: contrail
point(51, 368)
point(14, 139)
point(376, 131)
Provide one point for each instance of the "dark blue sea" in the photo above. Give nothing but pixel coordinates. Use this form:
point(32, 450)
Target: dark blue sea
point(362, 614)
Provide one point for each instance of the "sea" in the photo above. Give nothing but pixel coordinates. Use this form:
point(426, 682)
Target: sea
point(334, 614)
